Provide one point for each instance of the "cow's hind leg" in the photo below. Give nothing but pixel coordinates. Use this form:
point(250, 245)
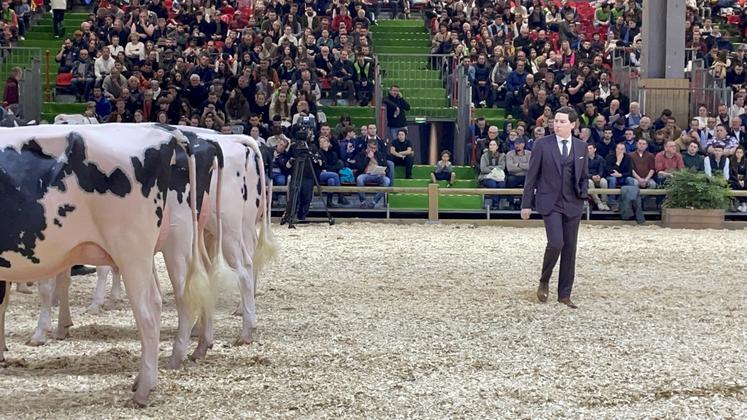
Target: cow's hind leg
point(4, 301)
point(46, 290)
point(64, 321)
point(248, 305)
point(177, 268)
point(146, 306)
point(99, 295)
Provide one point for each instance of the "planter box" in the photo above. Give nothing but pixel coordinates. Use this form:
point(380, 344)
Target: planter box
point(693, 218)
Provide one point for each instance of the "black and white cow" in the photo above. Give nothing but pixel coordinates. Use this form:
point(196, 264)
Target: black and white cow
point(96, 195)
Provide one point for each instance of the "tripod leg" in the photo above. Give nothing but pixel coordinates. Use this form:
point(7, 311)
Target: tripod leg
point(294, 186)
point(321, 196)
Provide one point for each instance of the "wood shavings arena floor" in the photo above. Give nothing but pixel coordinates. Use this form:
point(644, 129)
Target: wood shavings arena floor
point(386, 321)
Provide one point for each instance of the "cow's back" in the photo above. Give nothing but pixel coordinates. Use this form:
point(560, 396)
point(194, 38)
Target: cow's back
point(67, 186)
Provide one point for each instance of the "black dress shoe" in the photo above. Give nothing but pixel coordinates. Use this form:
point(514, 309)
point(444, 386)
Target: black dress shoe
point(568, 302)
point(542, 292)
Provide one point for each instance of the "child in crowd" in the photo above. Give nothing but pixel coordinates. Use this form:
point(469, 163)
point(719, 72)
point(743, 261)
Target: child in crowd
point(444, 170)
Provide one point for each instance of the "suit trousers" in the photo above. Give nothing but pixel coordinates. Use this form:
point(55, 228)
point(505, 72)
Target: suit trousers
point(562, 235)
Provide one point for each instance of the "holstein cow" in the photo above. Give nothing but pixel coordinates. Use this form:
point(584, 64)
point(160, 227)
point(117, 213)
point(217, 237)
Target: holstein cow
point(76, 195)
point(241, 206)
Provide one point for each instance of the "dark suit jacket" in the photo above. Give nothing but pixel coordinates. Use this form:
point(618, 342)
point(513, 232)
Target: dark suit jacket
point(542, 185)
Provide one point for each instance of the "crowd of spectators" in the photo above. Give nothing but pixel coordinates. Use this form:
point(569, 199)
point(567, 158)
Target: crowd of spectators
point(218, 65)
point(533, 56)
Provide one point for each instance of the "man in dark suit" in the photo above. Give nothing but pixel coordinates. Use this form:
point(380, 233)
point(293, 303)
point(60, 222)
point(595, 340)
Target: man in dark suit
point(556, 186)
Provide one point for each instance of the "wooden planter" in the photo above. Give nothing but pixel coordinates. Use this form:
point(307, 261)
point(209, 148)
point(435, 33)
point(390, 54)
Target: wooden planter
point(693, 218)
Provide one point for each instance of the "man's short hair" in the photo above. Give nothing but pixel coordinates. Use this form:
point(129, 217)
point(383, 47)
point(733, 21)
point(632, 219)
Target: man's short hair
point(572, 115)
point(372, 142)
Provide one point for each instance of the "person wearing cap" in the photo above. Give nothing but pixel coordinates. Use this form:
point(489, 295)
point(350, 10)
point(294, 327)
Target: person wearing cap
point(517, 164)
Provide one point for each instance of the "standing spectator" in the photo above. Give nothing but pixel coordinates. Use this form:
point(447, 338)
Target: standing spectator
point(737, 174)
point(444, 170)
point(401, 153)
point(643, 165)
point(597, 176)
point(58, 17)
point(11, 95)
point(396, 106)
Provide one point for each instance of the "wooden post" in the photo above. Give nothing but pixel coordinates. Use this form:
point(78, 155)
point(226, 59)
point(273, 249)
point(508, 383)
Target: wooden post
point(433, 146)
point(432, 203)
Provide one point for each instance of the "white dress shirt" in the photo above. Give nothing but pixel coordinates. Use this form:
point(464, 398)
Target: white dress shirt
point(560, 144)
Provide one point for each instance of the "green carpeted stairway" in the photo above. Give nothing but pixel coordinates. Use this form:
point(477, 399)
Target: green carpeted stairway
point(40, 36)
point(421, 85)
point(421, 177)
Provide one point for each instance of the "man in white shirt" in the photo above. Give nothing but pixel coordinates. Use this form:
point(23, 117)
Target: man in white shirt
point(103, 65)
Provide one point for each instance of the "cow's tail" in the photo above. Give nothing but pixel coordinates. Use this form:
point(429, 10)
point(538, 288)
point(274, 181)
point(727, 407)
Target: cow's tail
point(197, 293)
point(222, 276)
point(267, 247)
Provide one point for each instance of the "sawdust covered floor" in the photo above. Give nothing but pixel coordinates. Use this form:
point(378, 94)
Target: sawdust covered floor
point(427, 321)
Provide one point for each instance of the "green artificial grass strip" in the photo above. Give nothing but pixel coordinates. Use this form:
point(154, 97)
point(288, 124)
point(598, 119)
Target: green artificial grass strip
point(445, 202)
point(463, 173)
point(63, 108)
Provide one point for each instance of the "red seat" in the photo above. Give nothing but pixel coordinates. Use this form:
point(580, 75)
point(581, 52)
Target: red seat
point(325, 84)
point(64, 80)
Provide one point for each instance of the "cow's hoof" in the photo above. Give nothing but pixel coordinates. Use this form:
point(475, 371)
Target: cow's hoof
point(94, 309)
point(134, 384)
point(242, 341)
point(198, 354)
point(175, 363)
point(237, 312)
point(137, 402)
point(62, 334)
point(36, 342)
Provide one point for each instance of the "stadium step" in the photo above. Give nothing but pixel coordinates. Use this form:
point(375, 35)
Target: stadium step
point(406, 201)
point(359, 115)
point(424, 172)
point(63, 108)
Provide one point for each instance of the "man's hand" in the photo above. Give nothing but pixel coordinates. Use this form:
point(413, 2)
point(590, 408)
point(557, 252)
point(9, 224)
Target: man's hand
point(525, 213)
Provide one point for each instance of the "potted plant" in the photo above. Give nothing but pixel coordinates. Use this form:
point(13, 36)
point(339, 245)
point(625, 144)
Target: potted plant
point(695, 200)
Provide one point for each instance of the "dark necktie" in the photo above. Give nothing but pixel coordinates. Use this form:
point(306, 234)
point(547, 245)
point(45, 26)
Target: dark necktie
point(565, 147)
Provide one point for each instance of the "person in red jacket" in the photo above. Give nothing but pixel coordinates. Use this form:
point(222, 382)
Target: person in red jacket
point(11, 86)
point(342, 17)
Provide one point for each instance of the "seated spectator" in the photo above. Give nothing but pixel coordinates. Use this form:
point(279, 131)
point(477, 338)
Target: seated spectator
point(492, 170)
point(619, 171)
point(280, 170)
point(668, 161)
point(331, 165)
point(721, 137)
point(444, 170)
point(103, 105)
point(342, 79)
point(237, 108)
point(692, 159)
point(717, 162)
point(517, 165)
point(83, 76)
point(737, 175)
point(372, 167)
point(630, 142)
point(103, 65)
point(348, 151)
point(401, 153)
point(597, 176)
point(643, 165)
